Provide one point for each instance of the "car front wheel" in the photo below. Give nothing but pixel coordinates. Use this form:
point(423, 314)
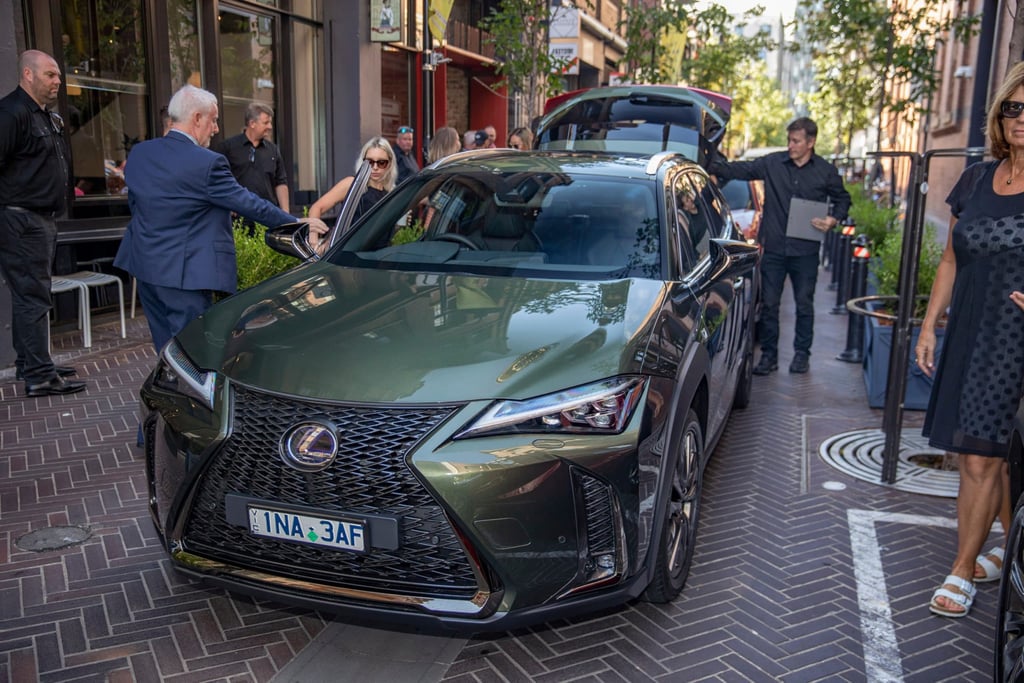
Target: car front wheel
point(1009, 650)
point(681, 512)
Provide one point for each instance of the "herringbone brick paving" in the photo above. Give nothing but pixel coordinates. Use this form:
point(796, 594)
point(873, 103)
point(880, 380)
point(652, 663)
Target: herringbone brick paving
point(772, 594)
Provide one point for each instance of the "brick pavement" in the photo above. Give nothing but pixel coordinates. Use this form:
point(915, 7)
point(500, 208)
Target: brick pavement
point(773, 594)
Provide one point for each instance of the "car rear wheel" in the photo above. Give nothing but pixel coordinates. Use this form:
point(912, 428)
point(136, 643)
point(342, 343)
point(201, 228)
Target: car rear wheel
point(1009, 650)
point(681, 513)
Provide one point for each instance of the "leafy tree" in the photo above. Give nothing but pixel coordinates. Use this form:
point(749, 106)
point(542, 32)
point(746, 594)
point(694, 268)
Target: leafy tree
point(862, 48)
point(678, 42)
point(519, 33)
point(760, 111)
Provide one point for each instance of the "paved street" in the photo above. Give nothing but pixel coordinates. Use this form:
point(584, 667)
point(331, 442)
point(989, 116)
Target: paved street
point(792, 579)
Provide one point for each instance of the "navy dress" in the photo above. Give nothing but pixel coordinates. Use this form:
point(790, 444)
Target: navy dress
point(978, 379)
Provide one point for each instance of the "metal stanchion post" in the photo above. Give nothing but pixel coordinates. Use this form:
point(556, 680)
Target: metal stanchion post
point(827, 251)
point(843, 266)
point(854, 352)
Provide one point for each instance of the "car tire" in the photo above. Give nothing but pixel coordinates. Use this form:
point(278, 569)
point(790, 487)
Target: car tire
point(1009, 649)
point(680, 515)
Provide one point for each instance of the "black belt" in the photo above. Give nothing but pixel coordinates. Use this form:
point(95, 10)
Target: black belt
point(40, 212)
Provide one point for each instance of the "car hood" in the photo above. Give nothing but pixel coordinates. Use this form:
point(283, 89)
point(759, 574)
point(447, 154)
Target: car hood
point(344, 334)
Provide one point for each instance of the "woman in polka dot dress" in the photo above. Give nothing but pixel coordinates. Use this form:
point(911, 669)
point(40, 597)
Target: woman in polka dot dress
point(978, 378)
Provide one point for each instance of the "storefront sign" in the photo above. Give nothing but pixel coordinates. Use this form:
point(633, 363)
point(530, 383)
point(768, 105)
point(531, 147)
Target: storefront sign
point(385, 21)
point(565, 21)
point(569, 52)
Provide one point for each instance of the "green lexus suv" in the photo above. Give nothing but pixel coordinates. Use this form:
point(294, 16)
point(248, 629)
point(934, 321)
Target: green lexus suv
point(488, 404)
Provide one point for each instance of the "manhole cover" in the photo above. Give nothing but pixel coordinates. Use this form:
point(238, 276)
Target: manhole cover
point(918, 466)
point(53, 538)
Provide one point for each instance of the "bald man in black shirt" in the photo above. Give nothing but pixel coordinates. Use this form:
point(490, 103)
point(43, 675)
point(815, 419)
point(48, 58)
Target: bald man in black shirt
point(34, 176)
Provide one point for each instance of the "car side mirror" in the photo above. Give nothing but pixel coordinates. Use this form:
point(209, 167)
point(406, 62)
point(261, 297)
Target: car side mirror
point(732, 258)
point(291, 239)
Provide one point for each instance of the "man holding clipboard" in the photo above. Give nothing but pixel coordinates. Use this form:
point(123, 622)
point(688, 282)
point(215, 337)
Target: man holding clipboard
point(804, 198)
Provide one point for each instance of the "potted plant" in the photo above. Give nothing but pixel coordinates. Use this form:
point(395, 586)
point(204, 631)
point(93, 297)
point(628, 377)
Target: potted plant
point(885, 267)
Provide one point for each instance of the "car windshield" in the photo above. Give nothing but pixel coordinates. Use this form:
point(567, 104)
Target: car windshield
point(538, 224)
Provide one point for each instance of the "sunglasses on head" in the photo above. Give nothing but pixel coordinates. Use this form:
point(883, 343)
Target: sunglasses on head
point(1011, 109)
point(405, 129)
point(379, 163)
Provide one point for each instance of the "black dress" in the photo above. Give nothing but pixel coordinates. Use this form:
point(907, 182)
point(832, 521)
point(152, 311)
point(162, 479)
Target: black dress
point(978, 379)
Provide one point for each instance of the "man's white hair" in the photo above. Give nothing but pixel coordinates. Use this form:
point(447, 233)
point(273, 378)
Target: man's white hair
point(188, 101)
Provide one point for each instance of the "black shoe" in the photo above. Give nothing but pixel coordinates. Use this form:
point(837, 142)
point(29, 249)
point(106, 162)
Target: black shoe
point(766, 366)
point(801, 363)
point(55, 387)
point(62, 370)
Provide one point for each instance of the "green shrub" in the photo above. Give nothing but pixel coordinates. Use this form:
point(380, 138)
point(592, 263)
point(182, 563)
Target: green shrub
point(877, 222)
point(256, 261)
point(886, 265)
point(408, 233)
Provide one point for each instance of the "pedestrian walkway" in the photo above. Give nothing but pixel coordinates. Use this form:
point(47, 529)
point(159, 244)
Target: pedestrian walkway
point(801, 572)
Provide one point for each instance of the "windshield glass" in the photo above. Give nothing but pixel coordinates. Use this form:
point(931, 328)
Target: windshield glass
point(542, 224)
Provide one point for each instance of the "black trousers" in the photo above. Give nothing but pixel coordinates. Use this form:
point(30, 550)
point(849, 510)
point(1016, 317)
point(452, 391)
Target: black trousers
point(27, 244)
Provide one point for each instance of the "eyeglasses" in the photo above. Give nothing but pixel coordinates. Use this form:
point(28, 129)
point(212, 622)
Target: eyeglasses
point(514, 145)
point(1011, 109)
point(252, 155)
point(379, 163)
point(405, 129)
point(56, 121)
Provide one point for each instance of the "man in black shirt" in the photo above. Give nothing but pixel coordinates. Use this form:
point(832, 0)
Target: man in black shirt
point(797, 172)
point(407, 166)
point(256, 161)
point(34, 176)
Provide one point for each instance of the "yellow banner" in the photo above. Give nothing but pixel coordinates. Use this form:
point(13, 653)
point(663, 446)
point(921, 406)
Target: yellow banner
point(438, 17)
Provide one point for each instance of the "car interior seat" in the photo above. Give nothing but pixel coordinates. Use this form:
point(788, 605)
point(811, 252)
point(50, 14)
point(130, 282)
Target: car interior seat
point(507, 231)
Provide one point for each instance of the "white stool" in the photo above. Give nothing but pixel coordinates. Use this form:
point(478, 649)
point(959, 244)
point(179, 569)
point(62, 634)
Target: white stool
point(87, 279)
point(58, 285)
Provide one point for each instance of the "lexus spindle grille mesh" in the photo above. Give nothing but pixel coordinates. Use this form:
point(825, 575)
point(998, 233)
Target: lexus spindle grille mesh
point(597, 500)
point(369, 476)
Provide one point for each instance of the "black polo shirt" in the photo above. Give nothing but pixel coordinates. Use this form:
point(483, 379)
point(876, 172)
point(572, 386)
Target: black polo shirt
point(407, 166)
point(34, 167)
point(258, 169)
point(817, 180)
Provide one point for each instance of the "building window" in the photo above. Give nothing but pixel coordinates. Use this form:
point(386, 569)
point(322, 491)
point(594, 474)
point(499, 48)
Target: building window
point(247, 53)
point(309, 131)
point(183, 39)
point(105, 72)
point(395, 91)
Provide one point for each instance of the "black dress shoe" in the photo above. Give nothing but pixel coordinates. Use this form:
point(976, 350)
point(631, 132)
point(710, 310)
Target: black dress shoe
point(766, 366)
point(801, 363)
point(55, 387)
point(62, 370)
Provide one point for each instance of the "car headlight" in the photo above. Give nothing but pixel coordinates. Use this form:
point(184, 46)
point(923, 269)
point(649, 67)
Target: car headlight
point(176, 372)
point(603, 407)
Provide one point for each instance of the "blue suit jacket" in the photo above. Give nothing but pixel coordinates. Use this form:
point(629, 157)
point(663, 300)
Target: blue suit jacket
point(181, 197)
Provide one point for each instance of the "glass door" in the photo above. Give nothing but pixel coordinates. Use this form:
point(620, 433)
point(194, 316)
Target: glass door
point(248, 46)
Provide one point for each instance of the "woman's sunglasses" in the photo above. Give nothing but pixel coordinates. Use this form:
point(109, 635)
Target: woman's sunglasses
point(1011, 109)
point(379, 163)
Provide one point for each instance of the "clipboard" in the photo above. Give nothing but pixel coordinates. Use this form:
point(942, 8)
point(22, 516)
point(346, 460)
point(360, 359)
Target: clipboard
point(801, 211)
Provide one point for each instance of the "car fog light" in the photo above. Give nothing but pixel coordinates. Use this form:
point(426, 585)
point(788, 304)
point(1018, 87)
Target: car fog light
point(605, 561)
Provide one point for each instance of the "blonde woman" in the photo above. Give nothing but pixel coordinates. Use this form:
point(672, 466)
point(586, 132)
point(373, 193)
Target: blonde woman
point(520, 138)
point(383, 175)
point(445, 141)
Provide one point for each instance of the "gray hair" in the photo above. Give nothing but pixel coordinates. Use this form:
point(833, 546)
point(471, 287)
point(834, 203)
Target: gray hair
point(188, 101)
point(257, 109)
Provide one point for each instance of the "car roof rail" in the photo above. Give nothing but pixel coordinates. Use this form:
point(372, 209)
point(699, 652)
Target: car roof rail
point(658, 160)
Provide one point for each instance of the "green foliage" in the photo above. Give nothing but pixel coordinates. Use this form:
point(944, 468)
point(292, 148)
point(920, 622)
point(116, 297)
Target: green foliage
point(877, 222)
point(677, 42)
point(885, 265)
point(256, 261)
point(760, 112)
point(860, 48)
point(408, 233)
point(518, 32)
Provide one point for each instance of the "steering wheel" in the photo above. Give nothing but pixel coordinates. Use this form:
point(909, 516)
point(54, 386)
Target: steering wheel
point(460, 239)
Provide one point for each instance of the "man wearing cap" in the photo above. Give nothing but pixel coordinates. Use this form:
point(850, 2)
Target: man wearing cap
point(407, 166)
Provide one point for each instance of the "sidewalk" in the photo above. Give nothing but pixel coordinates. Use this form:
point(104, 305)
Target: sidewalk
point(793, 580)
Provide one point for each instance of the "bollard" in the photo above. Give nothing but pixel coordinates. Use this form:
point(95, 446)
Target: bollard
point(835, 256)
point(854, 352)
point(827, 249)
point(843, 266)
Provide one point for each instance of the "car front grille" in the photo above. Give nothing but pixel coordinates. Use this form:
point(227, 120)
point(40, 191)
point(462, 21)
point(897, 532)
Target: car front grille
point(600, 516)
point(369, 476)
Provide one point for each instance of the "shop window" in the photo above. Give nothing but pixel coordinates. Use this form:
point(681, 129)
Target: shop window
point(247, 47)
point(183, 39)
point(310, 130)
point(105, 72)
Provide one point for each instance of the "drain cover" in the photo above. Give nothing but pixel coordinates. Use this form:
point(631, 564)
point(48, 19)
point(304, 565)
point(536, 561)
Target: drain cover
point(859, 454)
point(53, 538)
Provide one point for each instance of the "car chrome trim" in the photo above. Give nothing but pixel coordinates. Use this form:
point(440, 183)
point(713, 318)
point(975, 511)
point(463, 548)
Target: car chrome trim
point(481, 604)
point(656, 161)
point(310, 446)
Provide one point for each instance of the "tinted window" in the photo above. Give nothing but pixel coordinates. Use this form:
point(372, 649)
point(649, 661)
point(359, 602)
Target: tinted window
point(737, 195)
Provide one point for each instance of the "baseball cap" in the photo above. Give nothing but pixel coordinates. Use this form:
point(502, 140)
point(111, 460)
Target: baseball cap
point(480, 138)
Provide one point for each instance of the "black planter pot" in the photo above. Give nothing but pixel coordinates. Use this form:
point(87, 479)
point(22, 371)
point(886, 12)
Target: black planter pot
point(877, 349)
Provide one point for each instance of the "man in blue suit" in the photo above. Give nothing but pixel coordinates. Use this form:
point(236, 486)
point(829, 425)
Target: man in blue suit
point(179, 244)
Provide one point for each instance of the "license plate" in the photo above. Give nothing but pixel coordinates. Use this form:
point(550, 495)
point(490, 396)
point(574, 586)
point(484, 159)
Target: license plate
point(326, 532)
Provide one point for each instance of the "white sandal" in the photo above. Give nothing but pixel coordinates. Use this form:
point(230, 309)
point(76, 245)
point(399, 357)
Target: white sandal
point(965, 598)
point(992, 572)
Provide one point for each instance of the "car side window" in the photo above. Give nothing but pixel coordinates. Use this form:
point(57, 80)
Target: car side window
point(691, 219)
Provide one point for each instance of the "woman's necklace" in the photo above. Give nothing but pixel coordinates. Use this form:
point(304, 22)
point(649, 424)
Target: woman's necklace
point(1010, 178)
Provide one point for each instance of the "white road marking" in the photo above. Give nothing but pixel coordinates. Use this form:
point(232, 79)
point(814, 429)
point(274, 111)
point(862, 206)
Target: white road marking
point(882, 662)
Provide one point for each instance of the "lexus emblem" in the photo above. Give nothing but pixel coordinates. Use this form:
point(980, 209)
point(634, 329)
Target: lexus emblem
point(310, 446)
